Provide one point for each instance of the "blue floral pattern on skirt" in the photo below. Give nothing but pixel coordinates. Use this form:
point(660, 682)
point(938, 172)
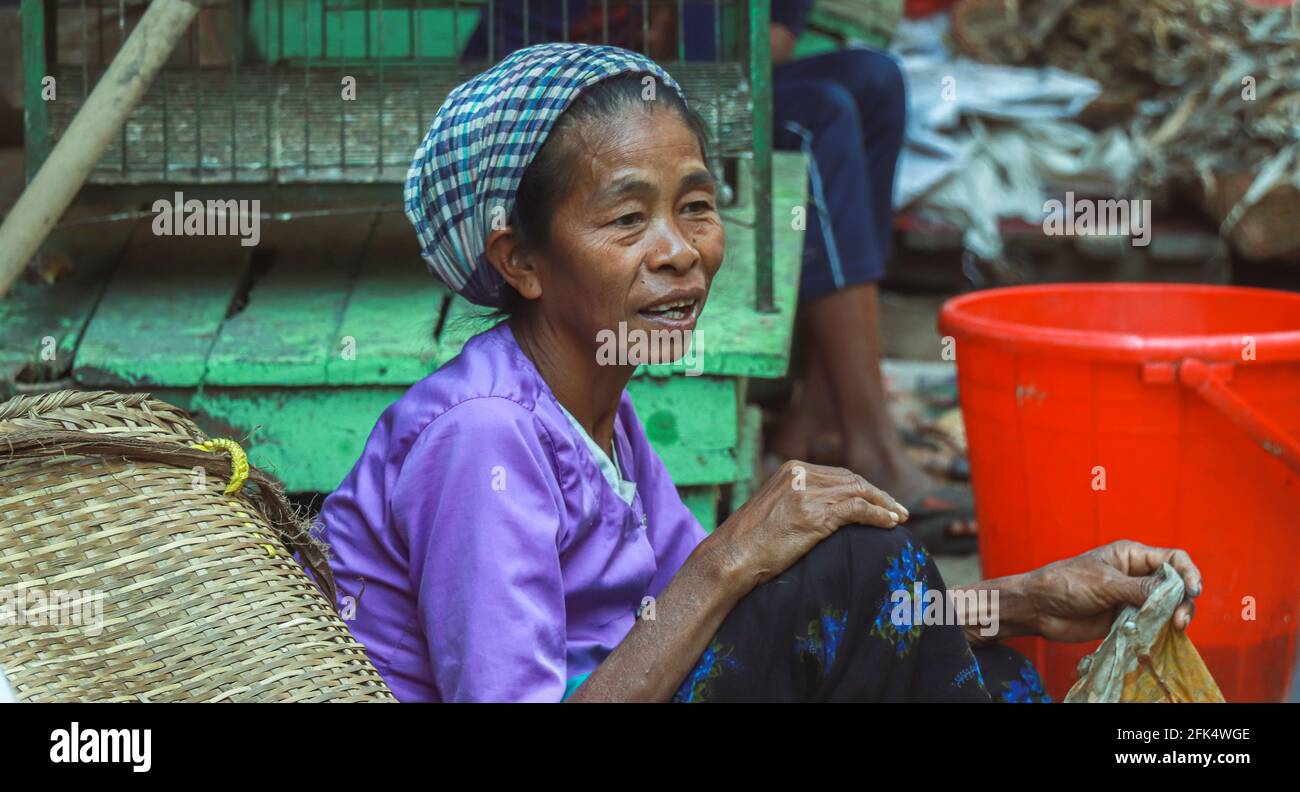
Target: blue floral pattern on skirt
point(716, 659)
point(904, 572)
point(826, 630)
point(822, 638)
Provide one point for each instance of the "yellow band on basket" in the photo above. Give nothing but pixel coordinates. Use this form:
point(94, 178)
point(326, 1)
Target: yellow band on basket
point(238, 461)
point(238, 475)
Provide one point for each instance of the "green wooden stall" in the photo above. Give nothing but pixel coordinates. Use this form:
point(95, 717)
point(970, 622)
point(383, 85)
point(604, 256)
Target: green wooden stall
point(297, 361)
point(294, 347)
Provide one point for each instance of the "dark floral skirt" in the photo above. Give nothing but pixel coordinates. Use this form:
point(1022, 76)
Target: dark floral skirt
point(830, 628)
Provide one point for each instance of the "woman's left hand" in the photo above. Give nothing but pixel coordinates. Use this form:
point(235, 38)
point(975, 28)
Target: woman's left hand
point(1077, 599)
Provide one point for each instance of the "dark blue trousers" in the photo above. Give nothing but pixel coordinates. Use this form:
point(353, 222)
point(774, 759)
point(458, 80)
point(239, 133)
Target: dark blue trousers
point(846, 109)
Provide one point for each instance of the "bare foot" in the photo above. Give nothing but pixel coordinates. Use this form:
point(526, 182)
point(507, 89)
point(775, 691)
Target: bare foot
point(800, 435)
point(898, 474)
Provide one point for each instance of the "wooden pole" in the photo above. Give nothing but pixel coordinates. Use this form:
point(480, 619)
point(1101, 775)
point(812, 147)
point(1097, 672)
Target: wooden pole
point(98, 121)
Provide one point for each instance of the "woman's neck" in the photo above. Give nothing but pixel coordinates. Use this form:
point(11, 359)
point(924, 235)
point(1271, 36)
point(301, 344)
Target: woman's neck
point(588, 390)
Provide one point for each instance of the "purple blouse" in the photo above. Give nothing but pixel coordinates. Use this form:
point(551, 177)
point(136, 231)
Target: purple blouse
point(485, 556)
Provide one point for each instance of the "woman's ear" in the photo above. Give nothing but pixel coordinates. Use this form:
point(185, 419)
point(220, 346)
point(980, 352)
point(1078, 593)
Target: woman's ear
point(513, 263)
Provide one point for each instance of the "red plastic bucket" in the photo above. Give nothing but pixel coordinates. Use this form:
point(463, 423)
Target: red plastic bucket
point(1164, 413)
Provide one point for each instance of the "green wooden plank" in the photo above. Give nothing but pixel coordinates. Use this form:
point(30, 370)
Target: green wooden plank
point(41, 323)
point(464, 321)
point(312, 436)
point(35, 28)
point(387, 333)
point(309, 438)
point(161, 313)
point(289, 328)
point(392, 31)
point(749, 457)
point(826, 31)
point(690, 467)
point(703, 503)
point(691, 423)
point(732, 338)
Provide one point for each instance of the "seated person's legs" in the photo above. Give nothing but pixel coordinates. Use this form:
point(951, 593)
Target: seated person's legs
point(876, 83)
point(829, 629)
point(822, 119)
point(846, 110)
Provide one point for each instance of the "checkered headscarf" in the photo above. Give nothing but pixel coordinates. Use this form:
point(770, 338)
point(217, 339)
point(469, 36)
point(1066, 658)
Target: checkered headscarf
point(469, 165)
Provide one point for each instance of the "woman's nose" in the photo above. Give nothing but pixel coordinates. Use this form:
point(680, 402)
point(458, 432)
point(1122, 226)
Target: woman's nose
point(671, 248)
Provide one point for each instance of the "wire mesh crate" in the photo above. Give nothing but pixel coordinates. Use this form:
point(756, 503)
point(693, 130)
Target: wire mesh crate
point(336, 93)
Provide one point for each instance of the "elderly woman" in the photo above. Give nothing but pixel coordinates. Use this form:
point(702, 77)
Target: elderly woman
point(510, 535)
point(845, 109)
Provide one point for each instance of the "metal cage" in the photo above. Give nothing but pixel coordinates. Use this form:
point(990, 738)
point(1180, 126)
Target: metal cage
point(254, 95)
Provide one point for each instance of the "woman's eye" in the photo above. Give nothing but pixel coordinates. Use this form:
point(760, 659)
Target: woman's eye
point(628, 220)
point(695, 207)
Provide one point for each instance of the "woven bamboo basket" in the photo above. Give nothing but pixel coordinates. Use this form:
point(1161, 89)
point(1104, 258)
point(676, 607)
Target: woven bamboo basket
point(127, 573)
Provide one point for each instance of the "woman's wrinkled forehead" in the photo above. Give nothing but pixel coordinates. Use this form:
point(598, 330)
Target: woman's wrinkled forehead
point(466, 172)
point(611, 133)
point(639, 155)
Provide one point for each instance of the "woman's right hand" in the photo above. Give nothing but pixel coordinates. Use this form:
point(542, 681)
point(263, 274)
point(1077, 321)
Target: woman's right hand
point(800, 505)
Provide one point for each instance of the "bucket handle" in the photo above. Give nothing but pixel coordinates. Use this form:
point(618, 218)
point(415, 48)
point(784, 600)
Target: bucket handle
point(1210, 382)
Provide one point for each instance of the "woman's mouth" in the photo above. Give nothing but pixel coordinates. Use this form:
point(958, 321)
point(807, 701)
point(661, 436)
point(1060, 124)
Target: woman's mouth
point(673, 311)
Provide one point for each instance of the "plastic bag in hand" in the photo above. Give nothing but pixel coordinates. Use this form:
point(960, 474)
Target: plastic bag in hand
point(1145, 658)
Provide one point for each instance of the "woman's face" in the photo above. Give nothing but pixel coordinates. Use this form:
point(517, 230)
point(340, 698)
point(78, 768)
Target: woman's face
point(637, 239)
